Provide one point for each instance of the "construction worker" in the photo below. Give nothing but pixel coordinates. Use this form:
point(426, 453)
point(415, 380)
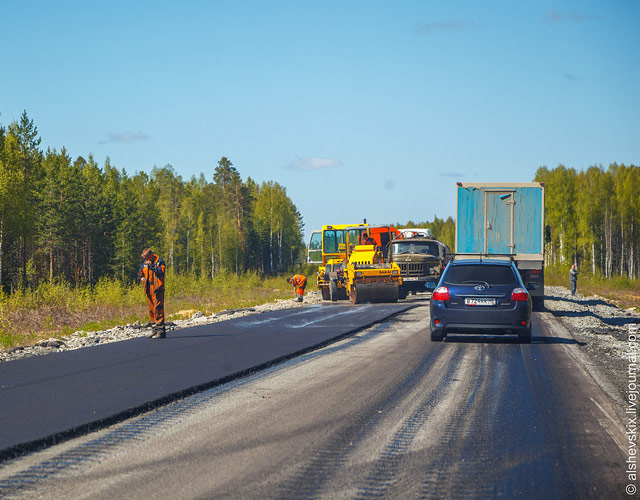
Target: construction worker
point(300, 283)
point(152, 276)
point(368, 240)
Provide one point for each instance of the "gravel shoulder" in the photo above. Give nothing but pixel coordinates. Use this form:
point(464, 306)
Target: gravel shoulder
point(82, 339)
point(602, 330)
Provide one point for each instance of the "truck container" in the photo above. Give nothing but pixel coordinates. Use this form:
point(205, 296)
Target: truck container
point(504, 219)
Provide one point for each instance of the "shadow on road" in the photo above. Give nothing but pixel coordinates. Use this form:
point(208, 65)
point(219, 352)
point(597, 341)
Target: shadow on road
point(507, 339)
point(570, 312)
point(576, 300)
point(555, 340)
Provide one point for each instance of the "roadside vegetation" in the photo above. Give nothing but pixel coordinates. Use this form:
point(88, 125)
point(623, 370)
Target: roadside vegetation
point(594, 216)
point(58, 309)
point(81, 222)
point(622, 290)
point(71, 234)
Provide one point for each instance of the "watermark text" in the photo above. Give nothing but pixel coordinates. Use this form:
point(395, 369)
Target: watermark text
point(632, 400)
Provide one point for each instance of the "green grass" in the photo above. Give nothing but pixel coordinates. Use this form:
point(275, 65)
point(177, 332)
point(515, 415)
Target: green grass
point(58, 309)
point(620, 289)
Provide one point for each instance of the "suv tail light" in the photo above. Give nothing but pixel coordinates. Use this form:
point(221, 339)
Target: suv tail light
point(440, 293)
point(519, 295)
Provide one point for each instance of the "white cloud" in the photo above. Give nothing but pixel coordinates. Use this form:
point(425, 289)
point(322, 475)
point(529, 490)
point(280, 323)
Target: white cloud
point(314, 163)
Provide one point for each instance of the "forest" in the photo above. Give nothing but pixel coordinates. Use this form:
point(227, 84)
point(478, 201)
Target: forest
point(74, 220)
point(594, 216)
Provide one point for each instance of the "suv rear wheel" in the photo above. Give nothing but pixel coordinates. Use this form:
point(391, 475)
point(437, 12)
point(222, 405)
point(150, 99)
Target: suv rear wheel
point(436, 336)
point(525, 337)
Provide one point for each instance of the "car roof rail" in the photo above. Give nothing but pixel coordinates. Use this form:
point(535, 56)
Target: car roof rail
point(481, 256)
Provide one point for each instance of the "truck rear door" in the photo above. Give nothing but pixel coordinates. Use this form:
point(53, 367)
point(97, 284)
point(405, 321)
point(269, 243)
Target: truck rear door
point(498, 224)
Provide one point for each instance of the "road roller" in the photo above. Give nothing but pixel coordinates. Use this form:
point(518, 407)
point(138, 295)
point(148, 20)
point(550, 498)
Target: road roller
point(364, 272)
point(369, 274)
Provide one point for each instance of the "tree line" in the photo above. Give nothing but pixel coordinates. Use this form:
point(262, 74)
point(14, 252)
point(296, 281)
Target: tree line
point(594, 216)
point(75, 220)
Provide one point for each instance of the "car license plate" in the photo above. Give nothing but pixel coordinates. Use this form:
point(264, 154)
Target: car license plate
point(480, 302)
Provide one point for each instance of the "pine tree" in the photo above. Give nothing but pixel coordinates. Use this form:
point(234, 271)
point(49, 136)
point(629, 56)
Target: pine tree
point(26, 134)
point(9, 199)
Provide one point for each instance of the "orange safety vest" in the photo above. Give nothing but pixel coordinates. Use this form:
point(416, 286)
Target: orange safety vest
point(300, 282)
point(153, 275)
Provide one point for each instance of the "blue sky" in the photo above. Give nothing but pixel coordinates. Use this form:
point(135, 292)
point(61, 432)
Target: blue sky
point(362, 109)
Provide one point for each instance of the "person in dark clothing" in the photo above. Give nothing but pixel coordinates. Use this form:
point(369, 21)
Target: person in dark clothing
point(573, 279)
point(152, 274)
point(368, 240)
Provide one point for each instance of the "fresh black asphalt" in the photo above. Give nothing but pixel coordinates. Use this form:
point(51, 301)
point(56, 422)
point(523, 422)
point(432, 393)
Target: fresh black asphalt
point(46, 399)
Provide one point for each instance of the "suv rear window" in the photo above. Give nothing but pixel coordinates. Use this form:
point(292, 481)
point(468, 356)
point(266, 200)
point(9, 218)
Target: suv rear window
point(494, 275)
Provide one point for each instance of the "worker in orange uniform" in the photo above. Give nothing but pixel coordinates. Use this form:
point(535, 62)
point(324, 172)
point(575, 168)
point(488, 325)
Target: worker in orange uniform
point(300, 283)
point(151, 276)
point(368, 240)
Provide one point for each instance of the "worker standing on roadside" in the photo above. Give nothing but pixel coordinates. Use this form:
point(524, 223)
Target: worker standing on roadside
point(300, 283)
point(573, 278)
point(151, 276)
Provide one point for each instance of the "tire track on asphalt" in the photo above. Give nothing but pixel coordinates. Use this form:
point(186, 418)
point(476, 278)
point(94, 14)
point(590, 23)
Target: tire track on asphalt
point(435, 485)
point(475, 458)
point(384, 473)
point(312, 478)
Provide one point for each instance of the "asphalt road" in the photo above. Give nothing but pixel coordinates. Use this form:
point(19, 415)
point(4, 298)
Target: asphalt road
point(382, 414)
point(45, 399)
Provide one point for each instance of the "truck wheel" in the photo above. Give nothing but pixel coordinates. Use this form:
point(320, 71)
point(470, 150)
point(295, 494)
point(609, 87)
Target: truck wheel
point(538, 303)
point(325, 293)
point(333, 291)
point(402, 294)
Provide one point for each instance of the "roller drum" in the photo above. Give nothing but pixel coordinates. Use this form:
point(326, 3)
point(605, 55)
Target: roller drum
point(362, 293)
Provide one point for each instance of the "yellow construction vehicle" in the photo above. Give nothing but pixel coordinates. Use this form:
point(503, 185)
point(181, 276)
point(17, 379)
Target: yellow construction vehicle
point(358, 269)
point(332, 241)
